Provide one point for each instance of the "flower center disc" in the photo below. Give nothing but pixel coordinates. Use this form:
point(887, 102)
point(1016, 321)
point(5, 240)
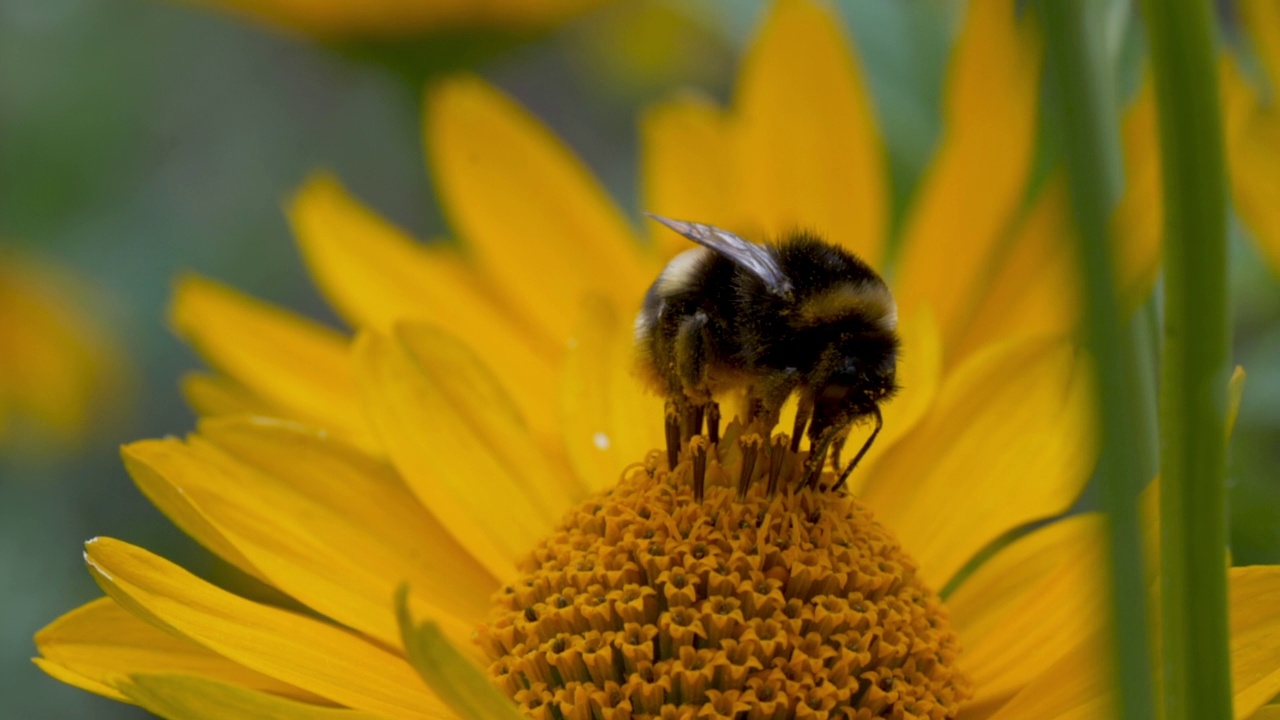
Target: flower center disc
point(645, 603)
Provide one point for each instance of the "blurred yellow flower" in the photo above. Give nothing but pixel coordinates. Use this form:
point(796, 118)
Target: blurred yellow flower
point(468, 443)
point(640, 48)
point(60, 373)
point(1253, 131)
point(392, 19)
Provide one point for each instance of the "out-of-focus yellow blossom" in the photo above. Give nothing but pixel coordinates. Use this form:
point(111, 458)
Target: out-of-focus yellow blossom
point(60, 372)
point(395, 19)
point(1252, 141)
point(1253, 130)
point(468, 442)
point(641, 47)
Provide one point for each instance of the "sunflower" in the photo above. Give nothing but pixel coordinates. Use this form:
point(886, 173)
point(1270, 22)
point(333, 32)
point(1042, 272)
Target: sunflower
point(59, 370)
point(461, 454)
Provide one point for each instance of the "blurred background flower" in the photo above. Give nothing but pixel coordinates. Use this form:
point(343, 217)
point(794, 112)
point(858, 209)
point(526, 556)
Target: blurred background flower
point(1253, 124)
point(62, 373)
point(326, 19)
point(142, 139)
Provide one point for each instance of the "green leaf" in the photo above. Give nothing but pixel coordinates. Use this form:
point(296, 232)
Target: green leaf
point(1083, 104)
point(1196, 362)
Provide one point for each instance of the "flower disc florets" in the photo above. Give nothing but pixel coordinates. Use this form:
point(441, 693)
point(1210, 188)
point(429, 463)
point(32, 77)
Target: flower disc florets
point(645, 603)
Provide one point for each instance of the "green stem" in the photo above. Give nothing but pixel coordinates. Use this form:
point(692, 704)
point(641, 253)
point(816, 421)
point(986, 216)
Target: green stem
point(1193, 519)
point(1082, 100)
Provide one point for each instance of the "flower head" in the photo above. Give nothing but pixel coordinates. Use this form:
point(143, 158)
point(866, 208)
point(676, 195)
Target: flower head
point(647, 598)
point(468, 444)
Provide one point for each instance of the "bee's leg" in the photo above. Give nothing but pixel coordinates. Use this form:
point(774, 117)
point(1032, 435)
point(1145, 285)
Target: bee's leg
point(692, 350)
point(777, 455)
point(693, 419)
point(750, 445)
point(672, 415)
point(865, 447)
point(817, 456)
point(802, 418)
point(698, 450)
point(713, 421)
point(837, 447)
point(767, 400)
point(755, 406)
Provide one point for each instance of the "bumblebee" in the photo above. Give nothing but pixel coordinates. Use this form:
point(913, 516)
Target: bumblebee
point(798, 316)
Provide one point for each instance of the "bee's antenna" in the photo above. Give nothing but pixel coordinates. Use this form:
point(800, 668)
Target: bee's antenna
point(817, 458)
point(865, 447)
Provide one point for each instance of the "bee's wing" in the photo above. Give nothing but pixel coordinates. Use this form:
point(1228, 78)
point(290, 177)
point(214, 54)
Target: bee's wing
point(755, 259)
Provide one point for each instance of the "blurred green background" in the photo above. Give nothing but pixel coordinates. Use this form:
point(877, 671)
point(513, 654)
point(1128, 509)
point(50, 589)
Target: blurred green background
point(140, 140)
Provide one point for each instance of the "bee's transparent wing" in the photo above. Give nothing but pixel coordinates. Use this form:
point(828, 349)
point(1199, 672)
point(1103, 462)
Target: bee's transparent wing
point(755, 259)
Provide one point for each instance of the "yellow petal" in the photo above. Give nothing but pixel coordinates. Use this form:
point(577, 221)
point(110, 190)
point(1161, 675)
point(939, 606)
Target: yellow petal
point(1028, 605)
point(285, 358)
point(336, 532)
point(1033, 283)
point(1262, 20)
point(174, 503)
point(1079, 684)
point(458, 442)
point(187, 697)
point(687, 167)
point(1010, 440)
point(609, 419)
point(919, 375)
point(213, 395)
point(310, 654)
point(376, 276)
point(809, 155)
point(536, 219)
point(1270, 712)
point(368, 493)
point(1137, 225)
point(976, 184)
point(1076, 687)
point(1254, 153)
point(462, 685)
point(1255, 636)
point(1033, 288)
point(99, 640)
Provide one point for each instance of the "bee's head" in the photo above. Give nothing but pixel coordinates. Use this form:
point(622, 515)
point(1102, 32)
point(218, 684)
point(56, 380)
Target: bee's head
point(853, 377)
